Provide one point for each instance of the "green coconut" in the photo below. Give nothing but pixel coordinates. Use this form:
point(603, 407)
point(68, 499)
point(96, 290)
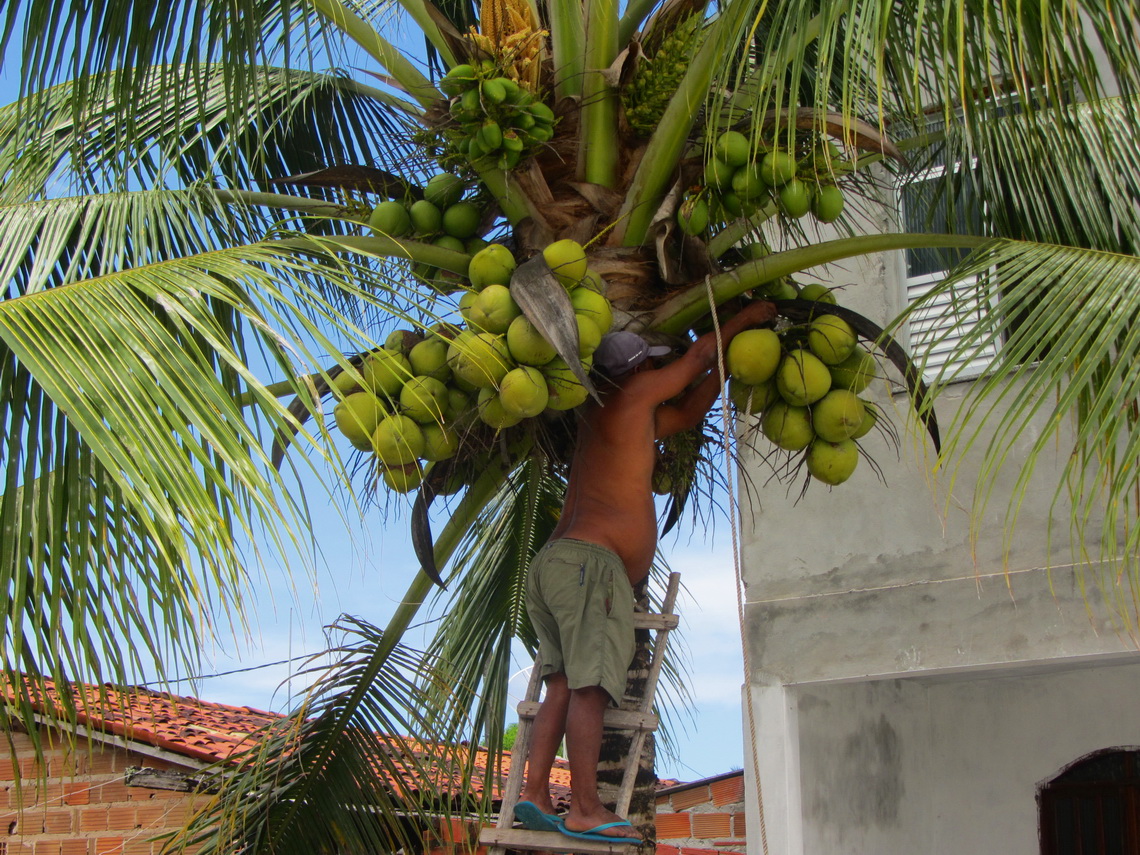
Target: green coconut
point(492, 265)
point(593, 305)
point(802, 379)
point(385, 371)
point(390, 218)
point(481, 359)
point(855, 372)
point(494, 309)
point(443, 190)
point(523, 392)
point(831, 338)
point(567, 260)
point(461, 220)
point(787, 426)
point(398, 441)
point(492, 412)
point(827, 203)
point(402, 479)
point(754, 355)
point(357, 417)
point(732, 147)
point(440, 442)
point(423, 399)
point(837, 415)
point(752, 399)
point(429, 359)
point(527, 345)
point(832, 462)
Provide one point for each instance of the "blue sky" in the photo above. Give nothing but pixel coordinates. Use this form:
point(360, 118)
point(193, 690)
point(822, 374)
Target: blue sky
point(365, 567)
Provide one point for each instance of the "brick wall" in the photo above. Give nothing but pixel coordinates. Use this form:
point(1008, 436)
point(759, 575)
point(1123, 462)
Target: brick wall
point(701, 817)
point(83, 807)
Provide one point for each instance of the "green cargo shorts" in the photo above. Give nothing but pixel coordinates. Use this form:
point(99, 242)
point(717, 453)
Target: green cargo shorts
point(580, 604)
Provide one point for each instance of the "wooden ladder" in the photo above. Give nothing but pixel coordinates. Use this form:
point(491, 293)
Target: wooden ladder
point(641, 721)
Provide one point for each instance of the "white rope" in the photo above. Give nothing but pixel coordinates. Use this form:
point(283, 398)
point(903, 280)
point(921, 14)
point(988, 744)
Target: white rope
point(737, 564)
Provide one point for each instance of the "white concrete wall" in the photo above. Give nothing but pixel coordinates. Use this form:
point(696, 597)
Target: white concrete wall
point(898, 575)
point(950, 765)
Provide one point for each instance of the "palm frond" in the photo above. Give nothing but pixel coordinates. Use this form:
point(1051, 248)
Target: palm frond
point(108, 382)
point(88, 139)
point(1063, 387)
point(1059, 176)
point(487, 611)
point(57, 41)
point(342, 773)
point(51, 242)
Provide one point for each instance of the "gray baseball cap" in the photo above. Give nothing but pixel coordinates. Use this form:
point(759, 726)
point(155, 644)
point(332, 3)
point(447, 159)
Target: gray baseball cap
point(621, 352)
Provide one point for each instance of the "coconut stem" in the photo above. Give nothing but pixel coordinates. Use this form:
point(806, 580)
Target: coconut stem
point(681, 312)
point(382, 245)
point(598, 155)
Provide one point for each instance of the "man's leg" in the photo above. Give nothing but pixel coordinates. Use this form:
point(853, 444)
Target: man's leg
point(547, 730)
point(584, 726)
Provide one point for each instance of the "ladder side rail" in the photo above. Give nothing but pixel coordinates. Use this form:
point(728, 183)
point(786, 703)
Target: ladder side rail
point(520, 754)
point(659, 642)
point(637, 742)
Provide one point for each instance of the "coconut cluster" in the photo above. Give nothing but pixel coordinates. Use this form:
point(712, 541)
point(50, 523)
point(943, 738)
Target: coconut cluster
point(741, 180)
point(494, 116)
point(426, 393)
point(442, 217)
point(804, 383)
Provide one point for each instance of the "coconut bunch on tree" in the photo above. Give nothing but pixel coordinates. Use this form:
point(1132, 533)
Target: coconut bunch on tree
point(215, 255)
point(549, 162)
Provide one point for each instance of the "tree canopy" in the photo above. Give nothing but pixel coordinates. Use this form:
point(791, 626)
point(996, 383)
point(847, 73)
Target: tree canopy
point(191, 281)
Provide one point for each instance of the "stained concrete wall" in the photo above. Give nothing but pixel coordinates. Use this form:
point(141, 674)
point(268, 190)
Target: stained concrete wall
point(862, 598)
point(950, 765)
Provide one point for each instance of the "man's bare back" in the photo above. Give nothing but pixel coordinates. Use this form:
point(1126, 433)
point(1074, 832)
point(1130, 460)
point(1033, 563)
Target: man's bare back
point(609, 496)
point(609, 499)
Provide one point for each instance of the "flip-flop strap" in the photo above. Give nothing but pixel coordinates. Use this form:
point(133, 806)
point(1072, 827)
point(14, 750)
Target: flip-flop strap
point(620, 824)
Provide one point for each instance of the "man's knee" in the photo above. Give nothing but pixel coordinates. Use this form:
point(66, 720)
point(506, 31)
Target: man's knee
point(556, 684)
point(593, 695)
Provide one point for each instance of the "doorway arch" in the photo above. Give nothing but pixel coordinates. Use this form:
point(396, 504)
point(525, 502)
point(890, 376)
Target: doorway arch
point(1092, 807)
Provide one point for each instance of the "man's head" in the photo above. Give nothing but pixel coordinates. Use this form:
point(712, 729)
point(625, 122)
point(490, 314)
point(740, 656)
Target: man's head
point(621, 352)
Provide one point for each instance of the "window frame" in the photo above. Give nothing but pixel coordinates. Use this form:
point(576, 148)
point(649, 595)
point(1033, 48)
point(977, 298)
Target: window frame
point(916, 286)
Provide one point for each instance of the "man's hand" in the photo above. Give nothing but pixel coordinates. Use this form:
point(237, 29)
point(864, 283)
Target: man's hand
point(754, 314)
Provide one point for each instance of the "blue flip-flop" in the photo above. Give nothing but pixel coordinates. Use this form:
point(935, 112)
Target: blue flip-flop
point(533, 819)
point(595, 833)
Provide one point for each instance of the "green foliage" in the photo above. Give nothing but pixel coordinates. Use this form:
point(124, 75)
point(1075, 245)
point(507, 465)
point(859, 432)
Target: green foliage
point(157, 300)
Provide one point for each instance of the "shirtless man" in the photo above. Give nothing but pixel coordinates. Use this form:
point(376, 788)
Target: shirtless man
point(580, 584)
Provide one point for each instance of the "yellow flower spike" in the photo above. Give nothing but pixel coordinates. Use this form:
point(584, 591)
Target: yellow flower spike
point(492, 15)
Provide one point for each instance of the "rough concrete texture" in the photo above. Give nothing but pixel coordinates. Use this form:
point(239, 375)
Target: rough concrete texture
point(950, 765)
point(1011, 670)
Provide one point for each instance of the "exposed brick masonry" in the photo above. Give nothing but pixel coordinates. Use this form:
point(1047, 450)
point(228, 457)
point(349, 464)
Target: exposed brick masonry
point(82, 806)
point(692, 818)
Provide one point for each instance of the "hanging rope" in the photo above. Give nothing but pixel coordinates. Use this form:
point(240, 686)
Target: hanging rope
point(737, 564)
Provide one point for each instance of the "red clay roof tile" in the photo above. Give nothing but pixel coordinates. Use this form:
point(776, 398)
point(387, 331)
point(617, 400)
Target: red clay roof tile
point(212, 732)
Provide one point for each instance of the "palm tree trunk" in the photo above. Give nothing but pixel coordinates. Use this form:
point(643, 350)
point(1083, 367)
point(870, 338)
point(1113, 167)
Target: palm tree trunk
point(616, 744)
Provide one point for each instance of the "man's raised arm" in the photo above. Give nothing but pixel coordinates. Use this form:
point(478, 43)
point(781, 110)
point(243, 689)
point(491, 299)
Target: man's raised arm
point(701, 358)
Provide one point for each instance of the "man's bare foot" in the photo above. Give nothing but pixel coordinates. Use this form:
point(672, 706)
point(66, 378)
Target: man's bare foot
point(540, 800)
point(592, 821)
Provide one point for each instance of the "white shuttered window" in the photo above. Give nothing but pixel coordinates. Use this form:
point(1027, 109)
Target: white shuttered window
point(931, 337)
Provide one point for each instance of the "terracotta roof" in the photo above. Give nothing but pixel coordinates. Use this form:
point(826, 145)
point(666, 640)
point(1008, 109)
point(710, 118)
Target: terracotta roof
point(212, 732)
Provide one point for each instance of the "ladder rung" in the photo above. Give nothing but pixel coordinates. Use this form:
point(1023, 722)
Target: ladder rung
point(647, 620)
point(549, 841)
point(615, 718)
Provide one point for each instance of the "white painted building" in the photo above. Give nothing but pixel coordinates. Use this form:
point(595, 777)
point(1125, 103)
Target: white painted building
point(917, 692)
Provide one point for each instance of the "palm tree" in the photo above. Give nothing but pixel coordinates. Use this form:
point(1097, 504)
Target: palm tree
point(184, 207)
